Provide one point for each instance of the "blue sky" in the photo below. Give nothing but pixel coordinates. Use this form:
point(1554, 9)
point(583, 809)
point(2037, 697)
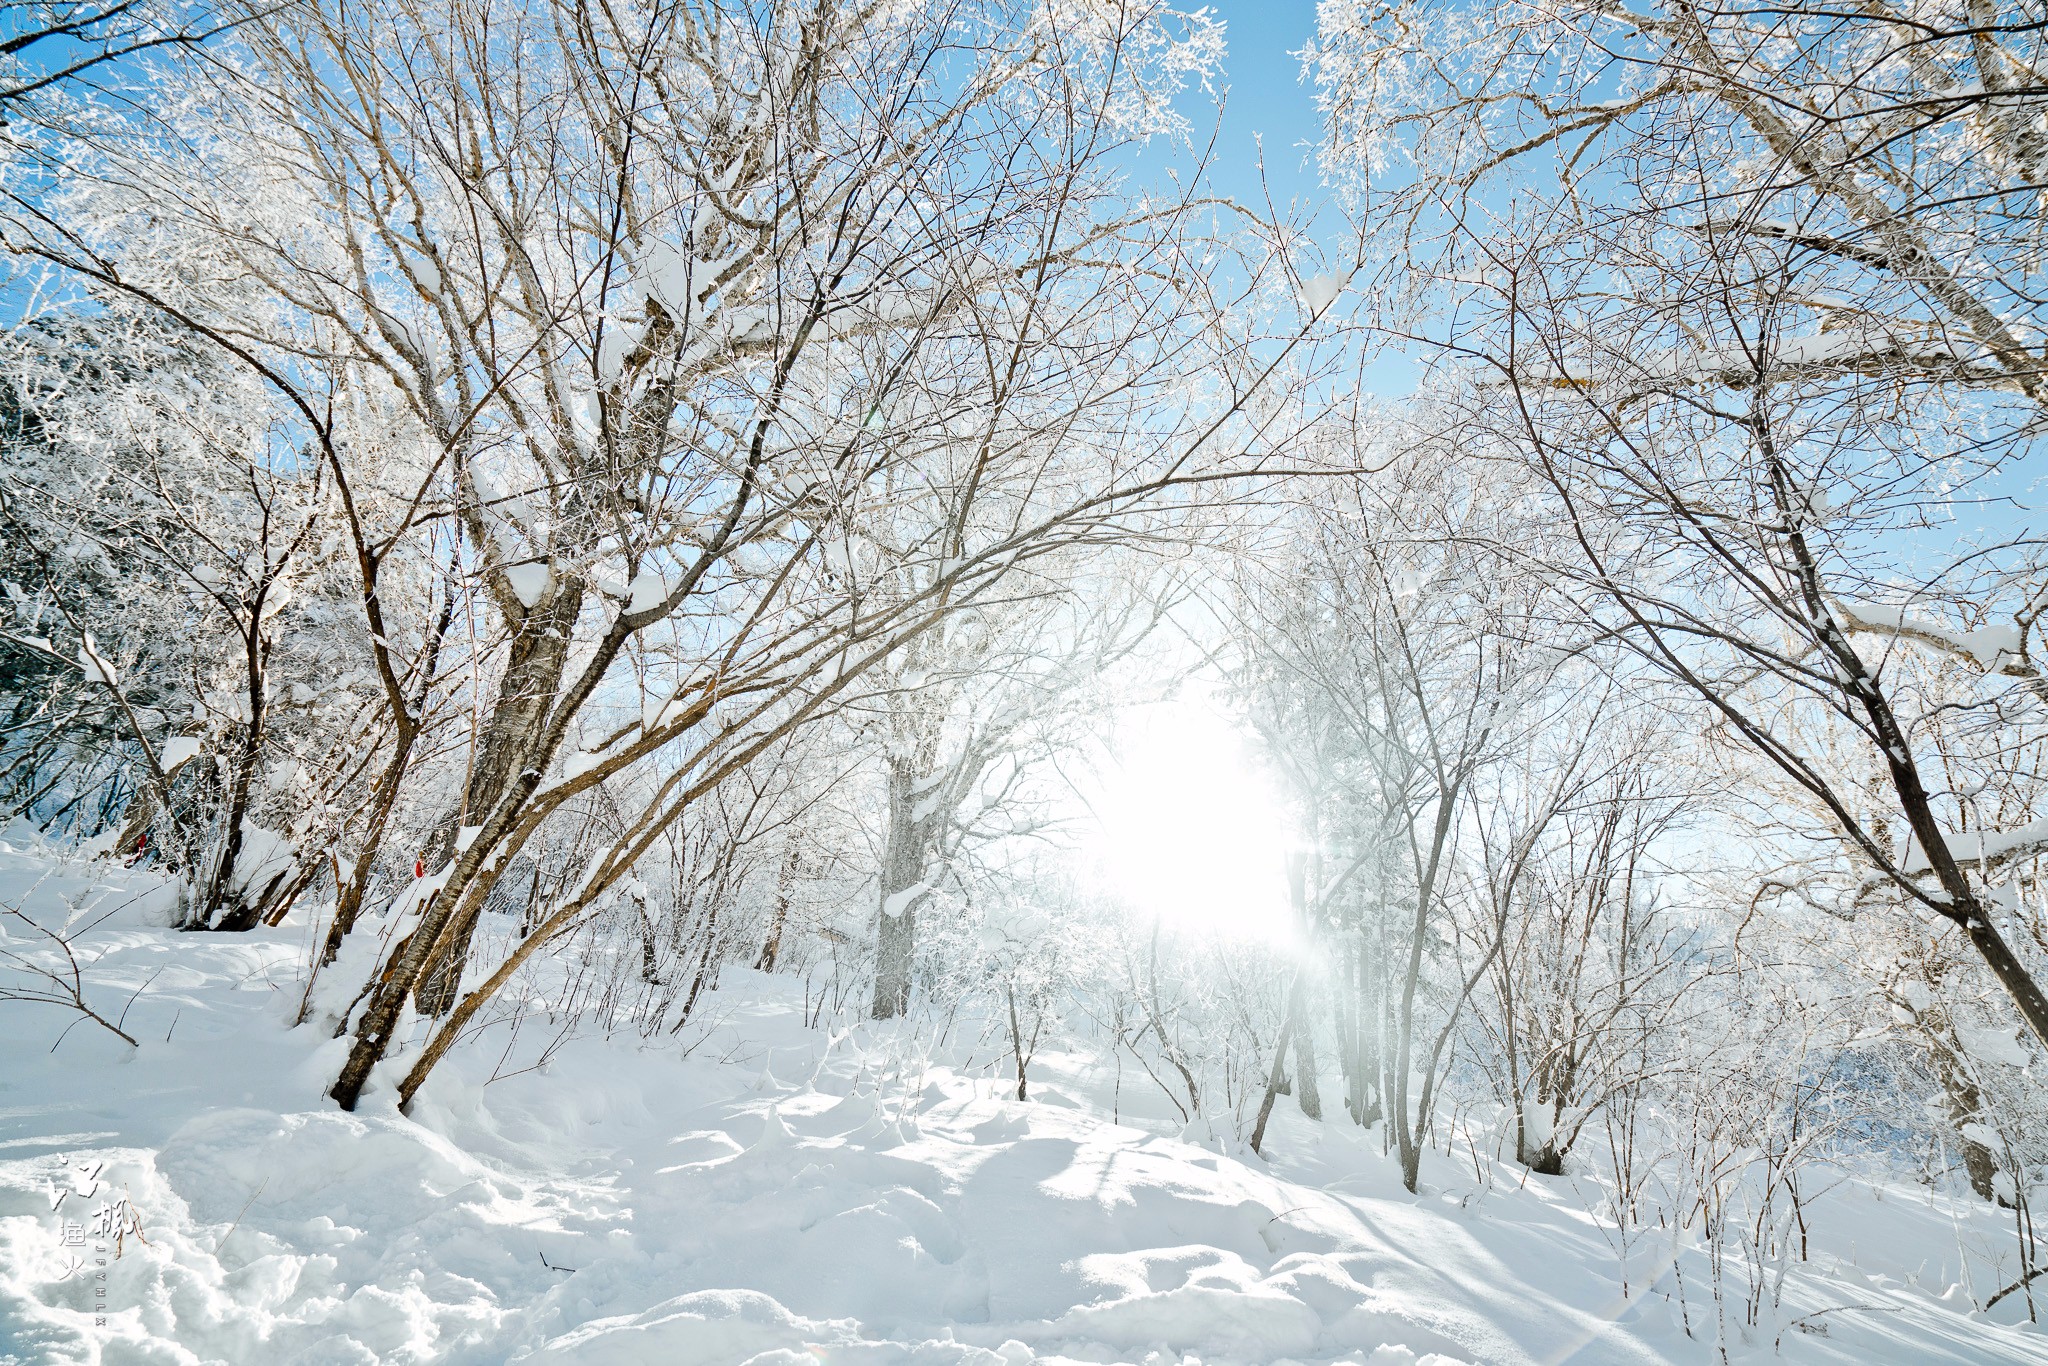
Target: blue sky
point(1267, 100)
point(1269, 107)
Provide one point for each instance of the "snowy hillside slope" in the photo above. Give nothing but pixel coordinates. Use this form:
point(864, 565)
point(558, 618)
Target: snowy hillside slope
point(777, 1194)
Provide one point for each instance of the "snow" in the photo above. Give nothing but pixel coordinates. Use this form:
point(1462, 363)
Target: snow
point(1988, 646)
point(529, 582)
point(178, 750)
point(264, 855)
point(618, 343)
point(657, 710)
point(1973, 846)
point(1737, 364)
point(1982, 1134)
point(675, 280)
point(756, 1191)
point(1320, 291)
point(1994, 1044)
point(427, 271)
point(1539, 1119)
point(896, 903)
point(94, 666)
point(647, 591)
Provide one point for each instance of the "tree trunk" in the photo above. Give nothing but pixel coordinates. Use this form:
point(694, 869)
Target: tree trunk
point(1016, 1041)
point(533, 677)
point(136, 821)
point(902, 889)
point(1965, 1106)
point(1368, 1066)
point(348, 898)
point(221, 897)
point(1344, 1024)
point(650, 962)
point(238, 909)
point(1859, 685)
point(1407, 1123)
point(1306, 1095)
point(1295, 995)
point(1554, 1079)
point(707, 960)
point(1545, 1160)
point(1273, 1080)
point(1299, 870)
point(895, 947)
point(785, 884)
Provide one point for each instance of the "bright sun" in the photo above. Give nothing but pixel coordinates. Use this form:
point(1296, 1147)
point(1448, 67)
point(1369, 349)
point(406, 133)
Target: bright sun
point(1191, 830)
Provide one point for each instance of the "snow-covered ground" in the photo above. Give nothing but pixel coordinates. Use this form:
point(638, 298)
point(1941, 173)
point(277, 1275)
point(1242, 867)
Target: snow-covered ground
point(783, 1195)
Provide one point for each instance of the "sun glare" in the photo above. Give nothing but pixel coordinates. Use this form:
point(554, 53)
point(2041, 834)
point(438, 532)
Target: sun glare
point(1191, 829)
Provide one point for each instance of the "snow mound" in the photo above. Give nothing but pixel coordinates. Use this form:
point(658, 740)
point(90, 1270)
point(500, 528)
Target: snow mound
point(705, 1328)
point(775, 1196)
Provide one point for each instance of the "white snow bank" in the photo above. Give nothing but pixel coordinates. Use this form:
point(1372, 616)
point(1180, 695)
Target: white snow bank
point(780, 1196)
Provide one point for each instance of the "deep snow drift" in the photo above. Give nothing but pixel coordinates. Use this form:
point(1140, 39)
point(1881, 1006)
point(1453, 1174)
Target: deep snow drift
point(758, 1191)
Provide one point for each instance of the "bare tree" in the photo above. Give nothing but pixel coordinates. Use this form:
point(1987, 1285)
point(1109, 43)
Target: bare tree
point(974, 712)
point(1394, 654)
point(1762, 366)
point(1567, 875)
point(666, 328)
point(52, 45)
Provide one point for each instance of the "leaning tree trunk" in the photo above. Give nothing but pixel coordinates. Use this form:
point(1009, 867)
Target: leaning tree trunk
point(533, 678)
point(1017, 1042)
point(449, 918)
point(350, 891)
point(1277, 1075)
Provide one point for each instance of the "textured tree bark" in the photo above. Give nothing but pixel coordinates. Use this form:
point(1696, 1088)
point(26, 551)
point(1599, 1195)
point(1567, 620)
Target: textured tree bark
point(137, 819)
point(1966, 1103)
point(1964, 1098)
point(785, 884)
point(903, 868)
point(235, 907)
point(1306, 1094)
point(533, 678)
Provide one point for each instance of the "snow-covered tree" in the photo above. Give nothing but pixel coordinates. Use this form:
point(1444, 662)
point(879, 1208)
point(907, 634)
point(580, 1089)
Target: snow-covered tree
point(1759, 295)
